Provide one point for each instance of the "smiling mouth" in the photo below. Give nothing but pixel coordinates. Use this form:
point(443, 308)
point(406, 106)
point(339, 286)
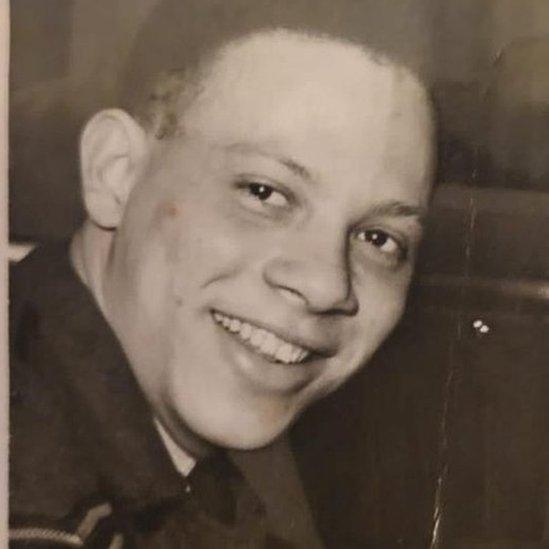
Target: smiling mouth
point(263, 342)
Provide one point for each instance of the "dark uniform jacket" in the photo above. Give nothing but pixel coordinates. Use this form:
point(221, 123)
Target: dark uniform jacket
point(87, 467)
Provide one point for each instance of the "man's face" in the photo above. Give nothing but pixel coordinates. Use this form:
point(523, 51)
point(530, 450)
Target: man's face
point(267, 251)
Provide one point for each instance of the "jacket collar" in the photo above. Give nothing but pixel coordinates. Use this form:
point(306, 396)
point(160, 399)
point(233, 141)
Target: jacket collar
point(112, 418)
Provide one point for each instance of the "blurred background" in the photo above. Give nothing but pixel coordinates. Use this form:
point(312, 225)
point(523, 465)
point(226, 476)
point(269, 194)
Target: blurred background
point(445, 436)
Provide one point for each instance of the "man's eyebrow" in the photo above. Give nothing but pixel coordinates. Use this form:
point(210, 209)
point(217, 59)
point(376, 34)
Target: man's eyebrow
point(395, 208)
point(293, 165)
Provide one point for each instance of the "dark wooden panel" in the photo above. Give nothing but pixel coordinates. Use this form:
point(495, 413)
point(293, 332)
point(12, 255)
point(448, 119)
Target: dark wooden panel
point(496, 484)
point(372, 453)
point(39, 34)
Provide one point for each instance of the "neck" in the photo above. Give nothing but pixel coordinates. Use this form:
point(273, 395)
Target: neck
point(89, 254)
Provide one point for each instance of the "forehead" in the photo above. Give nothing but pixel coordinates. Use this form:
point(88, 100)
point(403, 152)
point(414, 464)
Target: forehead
point(277, 68)
point(314, 97)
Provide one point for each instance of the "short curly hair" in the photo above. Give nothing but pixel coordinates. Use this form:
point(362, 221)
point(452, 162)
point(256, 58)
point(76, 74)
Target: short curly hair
point(160, 111)
point(175, 47)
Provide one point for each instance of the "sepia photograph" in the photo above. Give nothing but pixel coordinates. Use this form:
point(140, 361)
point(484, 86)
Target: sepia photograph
point(278, 274)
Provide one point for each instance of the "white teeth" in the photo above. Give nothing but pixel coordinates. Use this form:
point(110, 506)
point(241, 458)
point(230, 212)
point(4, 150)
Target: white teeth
point(295, 355)
point(246, 331)
point(257, 337)
point(270, 344)
point(263, 341)
point(235, 325)
point(284, 353)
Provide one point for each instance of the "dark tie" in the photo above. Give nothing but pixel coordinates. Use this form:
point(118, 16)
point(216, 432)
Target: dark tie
point(218, 510)
point(213, 482)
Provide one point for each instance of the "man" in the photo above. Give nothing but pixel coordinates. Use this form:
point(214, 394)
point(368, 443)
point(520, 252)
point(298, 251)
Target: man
point(250, 240)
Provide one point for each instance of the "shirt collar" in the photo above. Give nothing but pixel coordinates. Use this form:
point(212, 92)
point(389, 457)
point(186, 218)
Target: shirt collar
point(182, 461)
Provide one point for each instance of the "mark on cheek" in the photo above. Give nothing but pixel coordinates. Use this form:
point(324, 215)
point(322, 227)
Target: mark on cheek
point(170, 209)
point(166, 211)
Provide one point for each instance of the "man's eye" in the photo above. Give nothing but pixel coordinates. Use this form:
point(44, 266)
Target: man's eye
point(383, 242)
point(266, 194)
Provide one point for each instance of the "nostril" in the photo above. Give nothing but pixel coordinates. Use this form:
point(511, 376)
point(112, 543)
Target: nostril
point(350, 305)
point(319, 299)
point(291, 294)
point(320, 284)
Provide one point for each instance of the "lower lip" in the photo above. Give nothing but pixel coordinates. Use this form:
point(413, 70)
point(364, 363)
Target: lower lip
point(262, 373)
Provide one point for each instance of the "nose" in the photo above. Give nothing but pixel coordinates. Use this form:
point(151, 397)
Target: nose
point(315, 272)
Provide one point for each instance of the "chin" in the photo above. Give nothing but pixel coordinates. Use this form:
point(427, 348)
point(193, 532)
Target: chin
point(246, 436)
point(240, 420)
point(246, 441)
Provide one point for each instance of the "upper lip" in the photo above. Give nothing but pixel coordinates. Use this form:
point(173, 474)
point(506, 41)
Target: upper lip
point(311, 344)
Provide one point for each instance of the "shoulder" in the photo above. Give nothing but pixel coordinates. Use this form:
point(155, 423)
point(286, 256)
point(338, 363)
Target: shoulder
point(52, 482)
point(55, 494)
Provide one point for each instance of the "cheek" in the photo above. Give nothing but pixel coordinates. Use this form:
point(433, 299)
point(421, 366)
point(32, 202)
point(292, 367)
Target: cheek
point(202, 244)
point(153, 281)
point(381, 304)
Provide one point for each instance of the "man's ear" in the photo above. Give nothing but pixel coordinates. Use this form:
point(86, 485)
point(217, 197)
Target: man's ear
point(113, 153)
